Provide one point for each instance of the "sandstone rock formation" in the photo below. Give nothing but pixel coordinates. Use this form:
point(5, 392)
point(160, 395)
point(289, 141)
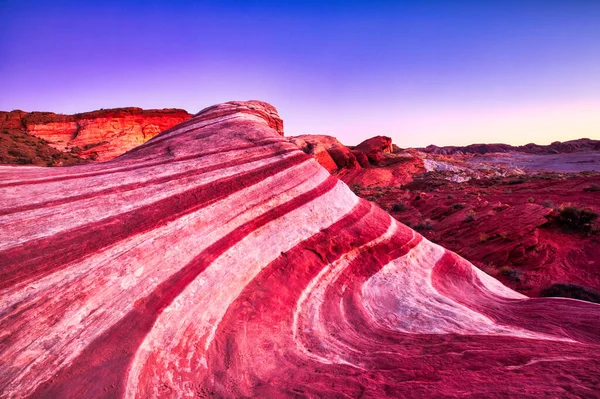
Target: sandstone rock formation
point(317, 145)
point(375, 148)
point(391, 170)
point(219, 260)
point(98, 135)
point(371, 163)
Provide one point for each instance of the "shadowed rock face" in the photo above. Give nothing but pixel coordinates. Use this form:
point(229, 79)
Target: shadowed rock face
point(219, 260)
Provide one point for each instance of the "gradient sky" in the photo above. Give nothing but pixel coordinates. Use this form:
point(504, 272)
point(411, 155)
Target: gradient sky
point(422, 72)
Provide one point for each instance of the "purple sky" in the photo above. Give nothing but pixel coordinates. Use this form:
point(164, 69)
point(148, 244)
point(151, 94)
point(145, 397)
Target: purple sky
point(421, 72)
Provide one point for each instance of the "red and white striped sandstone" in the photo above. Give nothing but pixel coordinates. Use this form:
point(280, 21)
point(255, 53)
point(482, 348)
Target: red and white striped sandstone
point(219, 260)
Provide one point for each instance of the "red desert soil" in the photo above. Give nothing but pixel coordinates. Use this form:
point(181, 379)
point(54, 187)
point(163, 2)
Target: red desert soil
point(512, 228)
point(219, 260)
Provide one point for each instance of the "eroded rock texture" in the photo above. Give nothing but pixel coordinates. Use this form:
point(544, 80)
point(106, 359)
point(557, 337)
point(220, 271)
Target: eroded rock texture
point(369, 164)
point(98, 135)
point(220, 260)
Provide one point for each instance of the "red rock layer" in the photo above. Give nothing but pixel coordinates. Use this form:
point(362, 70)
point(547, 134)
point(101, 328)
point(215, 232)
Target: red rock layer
point(99, 135)
point(219, 260)
point(556, 147)
point(369, 164)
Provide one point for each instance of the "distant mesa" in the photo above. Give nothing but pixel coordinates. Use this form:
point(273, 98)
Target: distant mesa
point(218, 259)
point(556, 147)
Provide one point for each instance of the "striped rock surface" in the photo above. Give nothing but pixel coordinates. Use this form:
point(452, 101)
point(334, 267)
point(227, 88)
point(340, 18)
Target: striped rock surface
point(219, 260)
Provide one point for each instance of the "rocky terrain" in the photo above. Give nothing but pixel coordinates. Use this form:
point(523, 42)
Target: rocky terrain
point(556, 147)
point(530, 232)
point(516, 216)
point(20, 148)
point(220, 260)
point(98, 135)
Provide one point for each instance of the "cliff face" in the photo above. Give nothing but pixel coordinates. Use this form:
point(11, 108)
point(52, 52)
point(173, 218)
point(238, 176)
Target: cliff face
point(219, 260)
point(98, 135)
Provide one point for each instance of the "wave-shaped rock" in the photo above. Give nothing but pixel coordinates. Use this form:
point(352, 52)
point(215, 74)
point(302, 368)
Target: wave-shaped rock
point(220, 260)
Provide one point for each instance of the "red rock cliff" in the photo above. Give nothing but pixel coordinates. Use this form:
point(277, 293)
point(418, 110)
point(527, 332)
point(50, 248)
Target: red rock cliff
point(99, 135)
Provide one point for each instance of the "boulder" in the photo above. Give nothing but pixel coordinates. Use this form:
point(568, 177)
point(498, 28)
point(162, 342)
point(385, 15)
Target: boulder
point(375, 147)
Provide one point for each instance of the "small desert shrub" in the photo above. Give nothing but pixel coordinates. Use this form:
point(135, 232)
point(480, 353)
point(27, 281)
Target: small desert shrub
point(531, 199)
point(592, 188)
point(355, 188)
point(76, 150)
point(574, 291)
point(450, 196)
point(548, 204)
point(15, 152)
point(459, 205)
point(513, 275)
point(424, 225)
point(398, 207)
point(575, 218)
point(470, 215)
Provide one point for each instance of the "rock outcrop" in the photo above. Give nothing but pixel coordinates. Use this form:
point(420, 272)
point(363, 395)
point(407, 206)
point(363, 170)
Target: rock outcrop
point(98, 135)
point(371, 163)
point(219, 260)
point(320, 145)
point(375, 148)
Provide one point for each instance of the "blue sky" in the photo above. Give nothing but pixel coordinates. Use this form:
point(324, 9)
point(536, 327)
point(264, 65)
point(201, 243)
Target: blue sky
point(422, 72)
